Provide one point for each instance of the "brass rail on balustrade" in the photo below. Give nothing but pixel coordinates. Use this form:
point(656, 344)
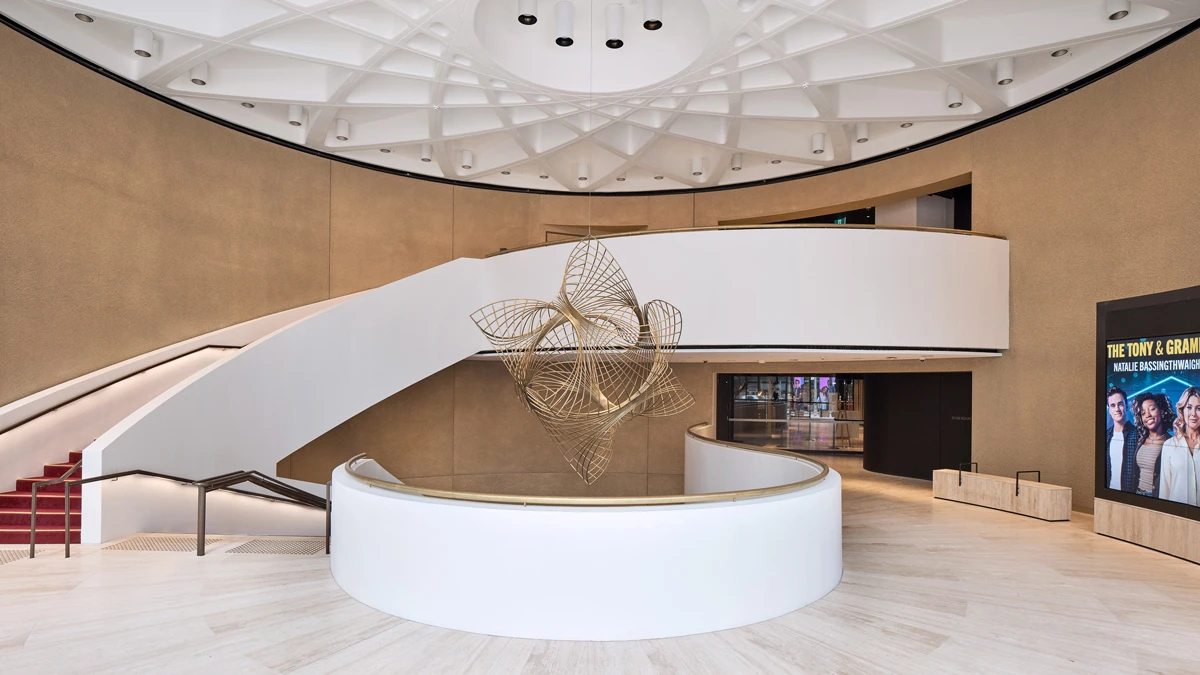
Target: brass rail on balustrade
point(533, 500)
point(764, 226)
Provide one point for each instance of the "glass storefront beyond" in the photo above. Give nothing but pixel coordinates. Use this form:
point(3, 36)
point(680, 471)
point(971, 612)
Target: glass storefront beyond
point(798, 412)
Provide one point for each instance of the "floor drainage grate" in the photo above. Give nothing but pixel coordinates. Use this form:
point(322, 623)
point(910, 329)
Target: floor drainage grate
point(281, 546)
point(14, 554)
point(174, 544)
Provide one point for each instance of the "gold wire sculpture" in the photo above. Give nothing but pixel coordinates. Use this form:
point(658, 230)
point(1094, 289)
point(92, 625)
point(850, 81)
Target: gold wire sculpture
point(590, 360)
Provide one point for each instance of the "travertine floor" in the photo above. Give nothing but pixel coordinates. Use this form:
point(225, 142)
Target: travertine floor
point(929, 587)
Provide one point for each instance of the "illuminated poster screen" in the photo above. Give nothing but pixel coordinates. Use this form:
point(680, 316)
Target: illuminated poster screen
point(1152, 406)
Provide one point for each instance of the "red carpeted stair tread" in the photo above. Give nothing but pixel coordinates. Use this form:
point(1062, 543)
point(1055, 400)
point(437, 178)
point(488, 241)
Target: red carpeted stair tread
point(46, 518)
point(23, 500)
point(26, 484)
point(56, 470)
point(49, 535)
point(16, 506)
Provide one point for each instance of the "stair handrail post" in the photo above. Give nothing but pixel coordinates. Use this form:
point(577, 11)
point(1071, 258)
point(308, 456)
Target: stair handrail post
point(201, 495)
point(67, 519)
point(66, 508)
point(328, 513)
point(33, 520)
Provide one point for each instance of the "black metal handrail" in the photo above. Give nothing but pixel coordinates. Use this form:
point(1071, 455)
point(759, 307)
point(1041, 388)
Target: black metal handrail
point(226, 480)
point(288, 495)
point(66, 509)
point(1039, 479)
point(974, 469)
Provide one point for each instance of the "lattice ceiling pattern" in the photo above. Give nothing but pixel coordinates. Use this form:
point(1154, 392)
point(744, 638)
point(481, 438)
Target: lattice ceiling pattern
point(722, 83)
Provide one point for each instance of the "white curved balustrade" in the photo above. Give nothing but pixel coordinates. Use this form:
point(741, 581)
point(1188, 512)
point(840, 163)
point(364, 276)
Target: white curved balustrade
point(907, 289)
point(578, 569)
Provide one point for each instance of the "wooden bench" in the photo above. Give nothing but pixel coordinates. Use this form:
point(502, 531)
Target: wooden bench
point(1037, 500)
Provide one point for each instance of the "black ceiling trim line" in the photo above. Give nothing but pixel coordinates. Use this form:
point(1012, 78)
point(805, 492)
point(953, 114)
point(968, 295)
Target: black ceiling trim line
point(823, 348)
point(971, 128)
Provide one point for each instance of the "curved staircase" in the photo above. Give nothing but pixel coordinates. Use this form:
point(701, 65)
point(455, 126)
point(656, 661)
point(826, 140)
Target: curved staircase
point(16, 507)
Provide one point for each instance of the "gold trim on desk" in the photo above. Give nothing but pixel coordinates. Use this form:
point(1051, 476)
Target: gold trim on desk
point(531, 500)
point(765, 226)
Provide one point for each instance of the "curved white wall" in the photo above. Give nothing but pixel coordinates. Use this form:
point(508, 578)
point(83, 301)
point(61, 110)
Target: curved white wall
point(857, 287)
point(710, 466)
point(586, 573)
point(906, 289)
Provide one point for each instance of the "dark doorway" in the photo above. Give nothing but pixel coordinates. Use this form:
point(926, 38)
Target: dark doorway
point(917, 422)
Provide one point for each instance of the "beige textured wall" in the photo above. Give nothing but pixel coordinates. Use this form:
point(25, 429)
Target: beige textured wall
point(128, 225)
point(1097, 194)
point(465, 429)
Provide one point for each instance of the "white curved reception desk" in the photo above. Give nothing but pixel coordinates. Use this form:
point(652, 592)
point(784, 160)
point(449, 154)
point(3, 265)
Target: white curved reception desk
point(595, 568)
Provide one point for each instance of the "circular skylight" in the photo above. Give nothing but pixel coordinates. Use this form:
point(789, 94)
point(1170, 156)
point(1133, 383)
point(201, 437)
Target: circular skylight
point(774, 88)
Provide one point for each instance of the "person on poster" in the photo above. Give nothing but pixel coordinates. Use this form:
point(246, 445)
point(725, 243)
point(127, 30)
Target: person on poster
point(1153, 416)
point(1122, 443)
point(1177, 481)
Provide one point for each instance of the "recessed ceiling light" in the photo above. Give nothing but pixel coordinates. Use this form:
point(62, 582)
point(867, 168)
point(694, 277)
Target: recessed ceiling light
point(735, 162)
point(614, 20)
point(543, 176)
point(954, 98)
point(697, 166)
point(777, 161)
point(386, 151)
point(468, 159)
point(199, 74)
point(527, 12)
point(658, 178)
point(905, 125)
point(426, 152)
point(247, 104)
point(1004, 71)
point(84, 17)
point(1060, 52)
point(564, 13)
point(1117, 9)
point(583, 171)
point(861, 134)
point(505, 172)
point(342, 129)
point(143, 42)
point(295, 115)
point(652, 14)
point(621, 178)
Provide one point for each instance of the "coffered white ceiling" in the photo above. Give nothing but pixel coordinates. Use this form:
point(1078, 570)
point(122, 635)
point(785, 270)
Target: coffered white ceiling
point(755, 77)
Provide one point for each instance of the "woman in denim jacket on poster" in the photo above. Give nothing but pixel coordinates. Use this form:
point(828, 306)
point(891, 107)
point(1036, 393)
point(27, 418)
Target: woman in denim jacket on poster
point(1153, 415)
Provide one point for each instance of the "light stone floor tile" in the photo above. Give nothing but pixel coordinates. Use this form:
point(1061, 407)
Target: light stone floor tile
point(930, 587)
